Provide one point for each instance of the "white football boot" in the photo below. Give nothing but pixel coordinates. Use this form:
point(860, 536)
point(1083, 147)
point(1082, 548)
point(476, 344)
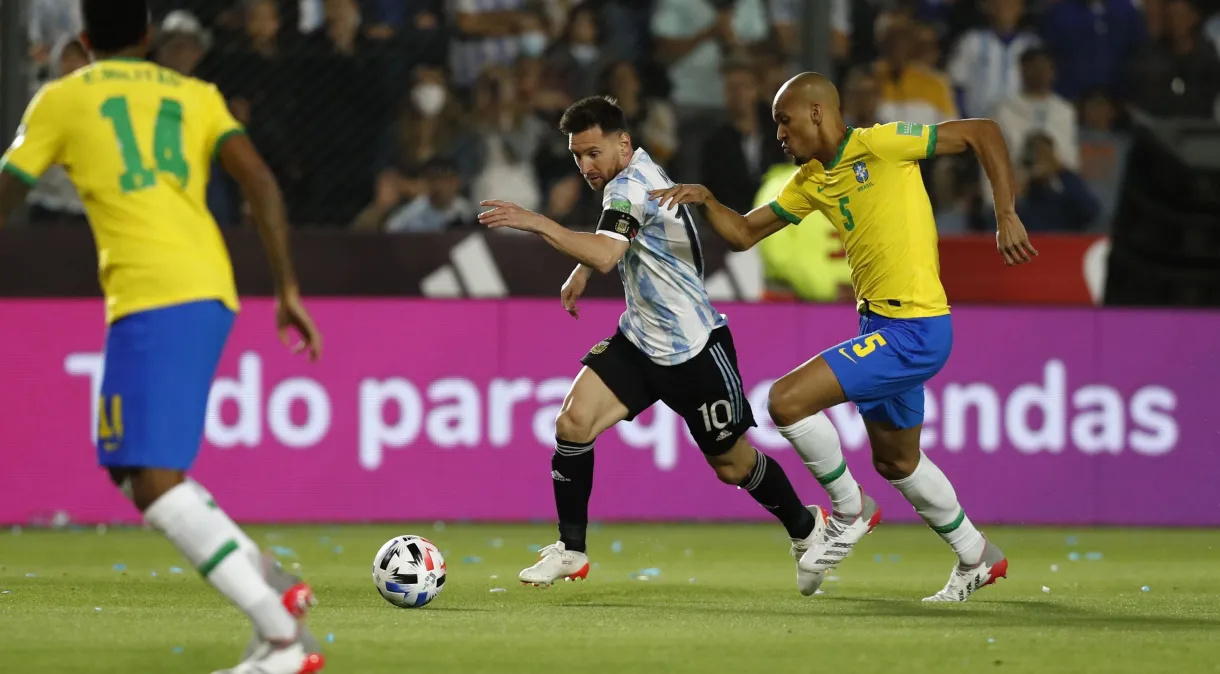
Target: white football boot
point(556, 562)
point(966, 580)
point(842, 533)
point(809, 582)
point(269, 658)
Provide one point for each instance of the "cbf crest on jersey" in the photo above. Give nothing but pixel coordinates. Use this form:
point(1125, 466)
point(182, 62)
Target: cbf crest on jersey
point(861, 170)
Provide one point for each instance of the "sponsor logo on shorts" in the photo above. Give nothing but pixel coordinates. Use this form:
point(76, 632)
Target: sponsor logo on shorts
point(558, 477)
point(724, 435)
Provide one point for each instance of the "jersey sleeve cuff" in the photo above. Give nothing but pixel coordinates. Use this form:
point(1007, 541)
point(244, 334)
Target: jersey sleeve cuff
point(783, 214)
point(613, 235)
point(931, 141)
point(224, 137)
point(12, 169)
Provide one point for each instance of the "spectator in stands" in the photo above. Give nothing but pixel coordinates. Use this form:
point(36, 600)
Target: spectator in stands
point(861, 95)
point(181, 42)
point(432, 125)
point(651, 120)
point(386, 19)
point(1038, 108)
point(1179, 74)
point(1092, 43)
point(344, 117)
point(927, 51)
point(441, 206)
point(909, 92)
point(692, 37)
point(53, 199)
point(735, 156)
point(1052, 198)
point(486, 35)
point(1103, 153)
point(51, 22)
point(774, 69)
point(986, 62)
point(630, 37)
point(510, 137)
point(576, 60)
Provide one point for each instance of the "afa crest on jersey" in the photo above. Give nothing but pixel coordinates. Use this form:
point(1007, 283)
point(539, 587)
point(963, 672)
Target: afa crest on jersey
point(861, 170)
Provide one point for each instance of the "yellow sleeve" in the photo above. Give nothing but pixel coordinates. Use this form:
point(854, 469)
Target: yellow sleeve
point(792, 204)
point(222, 124)
point(39, 140)
point(901, 142)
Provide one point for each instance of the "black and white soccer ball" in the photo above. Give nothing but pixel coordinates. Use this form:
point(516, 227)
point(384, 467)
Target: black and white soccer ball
point(409, 571)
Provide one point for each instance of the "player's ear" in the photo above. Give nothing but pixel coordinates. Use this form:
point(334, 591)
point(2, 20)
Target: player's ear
point(624, 144)
point(815, 113)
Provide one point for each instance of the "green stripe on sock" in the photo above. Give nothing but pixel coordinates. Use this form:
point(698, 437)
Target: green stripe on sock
point(957, 522)
point(211, 503)
point(225, 550)
point(833, 475)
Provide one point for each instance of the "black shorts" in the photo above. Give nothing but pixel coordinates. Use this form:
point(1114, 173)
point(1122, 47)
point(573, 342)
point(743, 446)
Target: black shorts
point(706, 390)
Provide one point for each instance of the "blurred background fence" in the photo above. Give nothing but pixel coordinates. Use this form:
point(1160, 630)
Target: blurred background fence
point(399, 116)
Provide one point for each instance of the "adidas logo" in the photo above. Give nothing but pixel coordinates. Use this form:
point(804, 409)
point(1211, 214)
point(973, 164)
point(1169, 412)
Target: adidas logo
point(723, 435)
point(558, 477)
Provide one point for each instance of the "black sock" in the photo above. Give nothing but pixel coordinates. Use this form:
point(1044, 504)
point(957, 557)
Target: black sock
point(769, 485)
point(572, 473)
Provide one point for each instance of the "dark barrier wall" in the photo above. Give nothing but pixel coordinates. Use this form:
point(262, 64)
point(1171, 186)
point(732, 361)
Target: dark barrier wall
point(62, 262)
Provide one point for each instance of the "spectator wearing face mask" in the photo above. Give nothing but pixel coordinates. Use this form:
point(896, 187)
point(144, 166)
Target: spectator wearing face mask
point(431, 124)
point(576, 60)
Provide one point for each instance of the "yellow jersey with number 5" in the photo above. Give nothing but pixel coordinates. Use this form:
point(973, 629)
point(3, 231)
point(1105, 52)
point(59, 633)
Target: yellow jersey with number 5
point(873, 193)
point(137, 141)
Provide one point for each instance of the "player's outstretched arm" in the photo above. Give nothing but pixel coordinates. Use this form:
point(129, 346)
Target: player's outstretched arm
point(985, 138)
point(258, 185)
point(12, 194)
point(592, 250)
point(741, 232)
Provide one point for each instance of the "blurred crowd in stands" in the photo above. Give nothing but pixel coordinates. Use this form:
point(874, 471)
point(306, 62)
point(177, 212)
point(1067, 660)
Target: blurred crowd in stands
point(401, 115)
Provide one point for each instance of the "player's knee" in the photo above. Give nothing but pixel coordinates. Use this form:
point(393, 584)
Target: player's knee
point(575, 424)
point(735, 465)
point(895, 467)
point(787, 406)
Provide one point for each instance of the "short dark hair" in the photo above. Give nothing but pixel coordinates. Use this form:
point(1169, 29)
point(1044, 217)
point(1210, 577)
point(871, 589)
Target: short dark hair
point(596, 111)
point(1033, 54)
point(115, 25)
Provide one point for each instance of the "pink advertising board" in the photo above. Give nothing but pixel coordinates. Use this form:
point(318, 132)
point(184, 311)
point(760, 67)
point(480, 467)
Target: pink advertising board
point(430, 410)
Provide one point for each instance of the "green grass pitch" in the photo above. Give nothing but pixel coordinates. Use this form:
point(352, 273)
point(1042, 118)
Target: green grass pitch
point(724, 600)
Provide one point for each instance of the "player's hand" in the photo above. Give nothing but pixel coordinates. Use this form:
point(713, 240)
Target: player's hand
point(681, 194)
point(290, 313)
point(508, 214)
point(1012, 241)
point(573, 288)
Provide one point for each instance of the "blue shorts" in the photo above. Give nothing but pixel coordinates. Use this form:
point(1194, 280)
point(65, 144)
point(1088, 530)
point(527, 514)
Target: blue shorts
point(159, 366)
point(883, 370)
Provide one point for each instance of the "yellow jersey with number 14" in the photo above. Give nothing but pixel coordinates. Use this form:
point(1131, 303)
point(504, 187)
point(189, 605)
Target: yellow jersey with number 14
point(873, 193)
point(137, 141)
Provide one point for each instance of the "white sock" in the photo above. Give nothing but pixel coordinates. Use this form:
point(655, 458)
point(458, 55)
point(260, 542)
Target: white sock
point(934, 499)
point(817, 442)
point(244, 542)
point(208, 540)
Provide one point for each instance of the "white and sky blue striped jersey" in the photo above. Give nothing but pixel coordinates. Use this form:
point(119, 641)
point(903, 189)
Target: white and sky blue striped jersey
point(669, 315)
point(987, 68)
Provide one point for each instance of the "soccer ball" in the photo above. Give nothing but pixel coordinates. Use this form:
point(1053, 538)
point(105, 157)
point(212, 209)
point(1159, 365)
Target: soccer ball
point(409, 571)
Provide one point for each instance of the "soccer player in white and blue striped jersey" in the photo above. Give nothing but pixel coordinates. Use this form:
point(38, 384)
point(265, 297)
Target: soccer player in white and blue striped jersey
point(671, 344)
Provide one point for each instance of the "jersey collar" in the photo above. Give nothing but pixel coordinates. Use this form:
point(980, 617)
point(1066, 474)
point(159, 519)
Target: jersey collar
point(839, 152)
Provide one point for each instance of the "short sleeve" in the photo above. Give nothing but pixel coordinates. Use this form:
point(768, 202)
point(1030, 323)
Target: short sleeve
point(39, 139)
point(625, 208)
point(222, 125)
point(900, 142)
point(792, 203)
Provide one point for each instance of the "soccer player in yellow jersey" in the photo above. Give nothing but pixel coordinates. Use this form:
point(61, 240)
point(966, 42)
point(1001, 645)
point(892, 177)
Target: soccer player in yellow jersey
point(867, 182)
point(137, 141)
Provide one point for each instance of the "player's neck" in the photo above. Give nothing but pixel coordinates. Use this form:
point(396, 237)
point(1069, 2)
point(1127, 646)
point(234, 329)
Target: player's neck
point(129, 54)
point(833, 144)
